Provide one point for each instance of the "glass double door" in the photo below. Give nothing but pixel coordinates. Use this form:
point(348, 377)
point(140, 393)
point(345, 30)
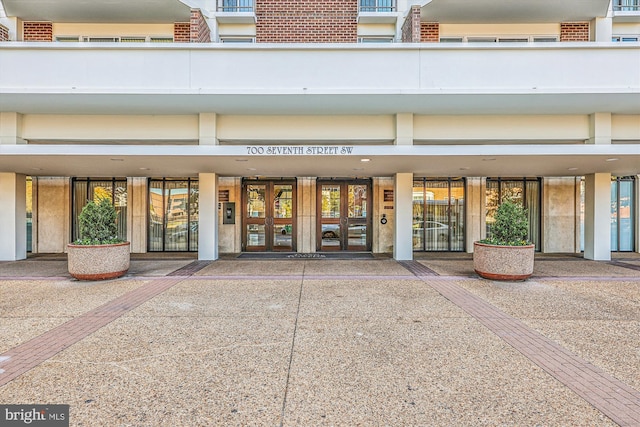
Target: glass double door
point(343, 216)
point(268, 213)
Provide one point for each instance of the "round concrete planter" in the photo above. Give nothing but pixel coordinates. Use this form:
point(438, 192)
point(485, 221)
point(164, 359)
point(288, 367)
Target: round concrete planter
point(503, 262)
point(98, 262)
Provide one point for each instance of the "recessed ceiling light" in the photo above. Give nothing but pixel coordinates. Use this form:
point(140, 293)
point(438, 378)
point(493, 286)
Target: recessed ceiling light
point(466, 168)
point(572, 169)
point(144, 169)
point(358, 169)
point(613, 159)
point(365, 160)
point(251, 169)
point(117, 160)
point(36, 169)
point(242, 160)
point(490, 159)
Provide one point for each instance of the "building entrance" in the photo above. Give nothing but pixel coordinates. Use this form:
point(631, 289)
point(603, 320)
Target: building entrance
point(344, 215)
point(269, 212)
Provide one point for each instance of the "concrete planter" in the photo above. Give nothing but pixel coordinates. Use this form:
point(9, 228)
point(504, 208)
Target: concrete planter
point(99, 262)
point(503, 262)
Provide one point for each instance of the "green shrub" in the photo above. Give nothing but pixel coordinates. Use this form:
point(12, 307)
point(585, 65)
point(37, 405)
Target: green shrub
point(511, 226)
point(97, 224)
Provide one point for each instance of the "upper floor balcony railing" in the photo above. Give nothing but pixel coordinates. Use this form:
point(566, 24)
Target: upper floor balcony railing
point(377, 6)
point(235, 6)
point(626, 5)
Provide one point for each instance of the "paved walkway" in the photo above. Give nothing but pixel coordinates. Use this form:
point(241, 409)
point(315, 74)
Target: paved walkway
point(324, 295)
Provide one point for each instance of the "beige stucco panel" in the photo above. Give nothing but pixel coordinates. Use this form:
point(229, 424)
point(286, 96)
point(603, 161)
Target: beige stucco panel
point(112, 30)
point(99, 128)
point(499, 30)
point(625, 127)
point(376, 30)
point(626, 28)
point(229, 235)
point(535, 128)
point(246, 30)
point(382, 233)
point(306, 128)
point(559, 215)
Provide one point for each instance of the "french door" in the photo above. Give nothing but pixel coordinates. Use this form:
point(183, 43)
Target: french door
point(269, 212)
point(344, 215)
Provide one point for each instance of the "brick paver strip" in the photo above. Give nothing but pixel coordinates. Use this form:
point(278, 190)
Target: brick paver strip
point(418, 268)
point(30, 354)
point(190, 268)
point(611, 396)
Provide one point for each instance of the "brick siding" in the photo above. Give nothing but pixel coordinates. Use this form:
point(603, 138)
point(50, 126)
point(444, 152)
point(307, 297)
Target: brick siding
point(4, 33)
point(199, 29)
point(37, 31)
point(411, 26)
point(574, 32)
point(307, 21)
point(430, 32)
point(182, 32)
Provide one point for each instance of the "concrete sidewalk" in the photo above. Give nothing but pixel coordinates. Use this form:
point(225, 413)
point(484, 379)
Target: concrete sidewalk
point(325, 342)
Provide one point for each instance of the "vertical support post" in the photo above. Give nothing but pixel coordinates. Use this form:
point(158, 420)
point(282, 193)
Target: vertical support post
point(403, 224)
point(597, 217)
point(208, 220)
point(13, 216)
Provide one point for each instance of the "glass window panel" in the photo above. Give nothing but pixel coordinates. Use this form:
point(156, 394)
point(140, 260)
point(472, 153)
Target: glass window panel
point(331, 201)
point(176, 218)
point(256, 201)
point(357, 234)
point(282, 235)
point(436, 224)
point(533, 208)
point(156, 216)
point(283, 201)
point(357, 201)
point(29, 212)
point(625, 216)
point(492, 196)
point(86, 189)
point(418, 216)
point(255, 234)
point(614, 215)
point(456, 216)
point(331, 235)
point(194, 215)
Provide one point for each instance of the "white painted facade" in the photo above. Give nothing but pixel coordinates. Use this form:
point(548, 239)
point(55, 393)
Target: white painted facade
point(220, 112)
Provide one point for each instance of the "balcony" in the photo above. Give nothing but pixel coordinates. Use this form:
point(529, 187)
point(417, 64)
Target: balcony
point(626, 10)
point(236, 12)
point(377, 12)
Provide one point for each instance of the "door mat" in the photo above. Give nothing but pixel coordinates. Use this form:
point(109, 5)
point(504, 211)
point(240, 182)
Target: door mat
point(317, 255)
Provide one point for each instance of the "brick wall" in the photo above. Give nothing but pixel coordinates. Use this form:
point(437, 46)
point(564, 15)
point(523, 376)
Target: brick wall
point(411, 26)
point(37, 31)
point(4, 33)
point(430, 32)
point(182, 32)
point(199, 31)
point(574, 32)
point(306, 21)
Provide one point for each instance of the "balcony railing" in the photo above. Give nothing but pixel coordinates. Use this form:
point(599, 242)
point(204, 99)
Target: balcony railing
point(626, 5)
point(377, 6)
point(235, 6)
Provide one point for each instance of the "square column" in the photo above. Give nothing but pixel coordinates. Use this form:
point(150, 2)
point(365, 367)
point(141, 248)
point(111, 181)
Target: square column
point(403, 223)
point(13, 217)
point(597, 217)
point(208, 219)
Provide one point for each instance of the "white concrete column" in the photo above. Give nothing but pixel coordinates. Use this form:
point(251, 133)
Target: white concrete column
point(208, 220)
point(11, 128)
point(403, 222)
point(597, 216)
point(474, 222)
point(599, 128)
point(13, 217)
point(602, 28)
point(138, 211)
point(404, 129)
point(208, 130)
